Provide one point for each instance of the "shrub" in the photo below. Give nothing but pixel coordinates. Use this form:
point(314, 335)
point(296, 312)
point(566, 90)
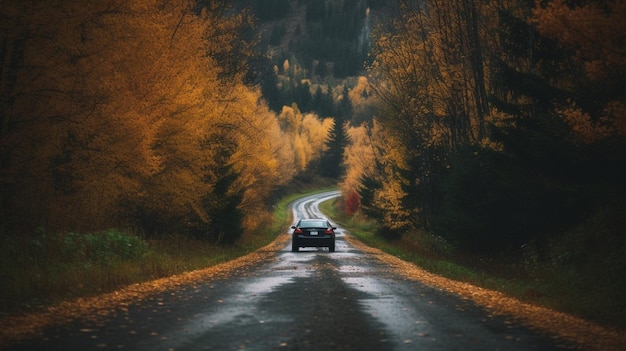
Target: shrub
point(112, 245)
point(351, 204)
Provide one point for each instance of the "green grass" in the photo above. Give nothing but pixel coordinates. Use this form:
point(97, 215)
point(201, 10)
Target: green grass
point(45, 269)
point(596, 296)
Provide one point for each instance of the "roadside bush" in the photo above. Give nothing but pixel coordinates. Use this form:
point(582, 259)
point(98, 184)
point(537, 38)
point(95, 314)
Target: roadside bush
point(113, 245)
point(351, 204)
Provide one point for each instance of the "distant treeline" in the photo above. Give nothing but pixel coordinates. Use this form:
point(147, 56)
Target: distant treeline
point(329, 38)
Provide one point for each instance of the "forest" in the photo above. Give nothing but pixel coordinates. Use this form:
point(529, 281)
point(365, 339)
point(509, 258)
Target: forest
point(138, 115)
point(497, 128)
point(500, 131)
point(489, 125)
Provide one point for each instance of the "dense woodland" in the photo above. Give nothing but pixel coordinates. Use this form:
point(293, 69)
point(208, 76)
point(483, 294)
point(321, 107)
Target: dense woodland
point(498, 127)
point(501, 123)
point(138, 115)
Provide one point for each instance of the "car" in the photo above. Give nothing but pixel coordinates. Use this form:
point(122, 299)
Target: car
point(313, 232)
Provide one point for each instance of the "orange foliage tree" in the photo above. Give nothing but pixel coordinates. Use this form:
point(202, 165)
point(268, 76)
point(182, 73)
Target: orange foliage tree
point(307, 134)
point(430, 75)
point(121, 113)
point(375, 159)
point(472, 97)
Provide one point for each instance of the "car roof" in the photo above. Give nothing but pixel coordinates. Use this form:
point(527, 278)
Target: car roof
point(314, 221)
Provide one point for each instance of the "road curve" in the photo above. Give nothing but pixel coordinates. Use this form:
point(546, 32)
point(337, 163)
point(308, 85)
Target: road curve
point(307, 300)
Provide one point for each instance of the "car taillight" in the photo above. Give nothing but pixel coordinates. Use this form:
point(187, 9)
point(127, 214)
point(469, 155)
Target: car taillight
point(298, 231)
point(329, 231)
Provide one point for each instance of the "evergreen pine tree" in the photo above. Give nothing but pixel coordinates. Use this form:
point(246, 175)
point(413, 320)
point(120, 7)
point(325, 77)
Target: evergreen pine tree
point(332, 161)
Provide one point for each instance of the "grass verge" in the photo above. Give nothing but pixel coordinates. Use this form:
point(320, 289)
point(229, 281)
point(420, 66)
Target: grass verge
point(543, 286)
point(46, 269)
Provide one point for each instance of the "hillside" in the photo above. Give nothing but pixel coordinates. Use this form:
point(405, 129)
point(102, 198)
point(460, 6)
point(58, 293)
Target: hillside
point(312, 47)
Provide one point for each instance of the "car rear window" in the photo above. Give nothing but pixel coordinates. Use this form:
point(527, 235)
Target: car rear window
point(312, 224)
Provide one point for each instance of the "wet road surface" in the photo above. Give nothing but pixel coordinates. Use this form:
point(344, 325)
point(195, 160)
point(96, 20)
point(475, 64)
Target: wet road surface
point(307, 300)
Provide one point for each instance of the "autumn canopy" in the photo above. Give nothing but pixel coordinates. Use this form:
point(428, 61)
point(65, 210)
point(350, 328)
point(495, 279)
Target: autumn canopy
point(136, 114)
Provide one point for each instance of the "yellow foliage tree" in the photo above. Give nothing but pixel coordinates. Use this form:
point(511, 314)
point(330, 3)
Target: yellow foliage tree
point(376, 155)
point(306, 132)
point(115, 109)
point(68, 86)
point(431, 76)
point(363, 100)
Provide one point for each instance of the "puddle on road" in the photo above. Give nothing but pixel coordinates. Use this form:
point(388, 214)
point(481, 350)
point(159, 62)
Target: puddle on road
point(264, 286)
point(387, 308)
point(353, 269)
point(372, 287)
point(239, 306)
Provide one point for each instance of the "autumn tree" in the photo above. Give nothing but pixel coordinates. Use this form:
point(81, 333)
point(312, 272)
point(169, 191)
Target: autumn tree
point(429, 73)
point(496, 112)
point(516, 169)
point(363, 102)
point(132, 114)
point(372, 159)
point(63, 77)
point(307, 134)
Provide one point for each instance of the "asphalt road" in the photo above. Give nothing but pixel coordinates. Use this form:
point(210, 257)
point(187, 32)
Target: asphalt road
point(308, 300)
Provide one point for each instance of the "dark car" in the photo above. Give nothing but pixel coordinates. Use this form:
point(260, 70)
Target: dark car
point(313, 232)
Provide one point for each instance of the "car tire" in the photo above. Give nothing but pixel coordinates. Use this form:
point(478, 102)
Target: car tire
point(331, 248)
point(294, 247)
